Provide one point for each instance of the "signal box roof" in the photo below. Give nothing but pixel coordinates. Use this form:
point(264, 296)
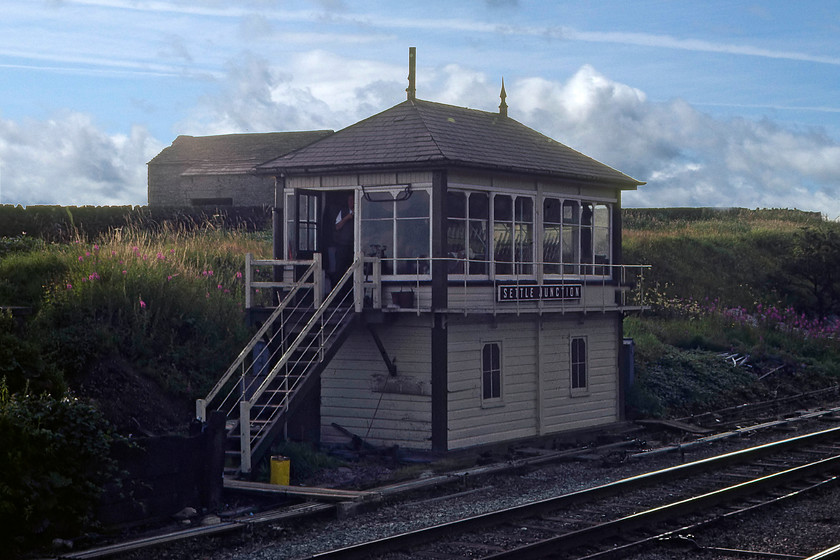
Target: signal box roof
point(417, 133)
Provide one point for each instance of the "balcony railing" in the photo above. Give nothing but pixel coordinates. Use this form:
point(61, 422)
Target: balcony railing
point(590, 288)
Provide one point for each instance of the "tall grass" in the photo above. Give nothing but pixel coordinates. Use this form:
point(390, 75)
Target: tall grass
point(736, 256)
point(170, 302)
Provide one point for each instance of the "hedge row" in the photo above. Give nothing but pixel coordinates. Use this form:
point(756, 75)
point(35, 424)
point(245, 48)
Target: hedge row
point(63, 223)
point(646, 218)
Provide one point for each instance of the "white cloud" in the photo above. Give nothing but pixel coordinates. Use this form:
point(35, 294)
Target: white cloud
point(687, 157)
point(314, 91)
point(68, 160)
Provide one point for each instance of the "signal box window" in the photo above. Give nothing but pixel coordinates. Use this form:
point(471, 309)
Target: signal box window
point(491, 371)
point(580, 383)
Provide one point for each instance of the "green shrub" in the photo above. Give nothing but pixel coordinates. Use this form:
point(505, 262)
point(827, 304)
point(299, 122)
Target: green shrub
point(54, 462)
point(684, 382)
point(24, 276)
point(22, 363)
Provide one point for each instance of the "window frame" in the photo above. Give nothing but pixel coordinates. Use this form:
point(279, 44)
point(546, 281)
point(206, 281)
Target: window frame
point(576, 362)
point(574, 234)
point(519, 268)
point(496, 374)
point(390, 263)
point(464, 269)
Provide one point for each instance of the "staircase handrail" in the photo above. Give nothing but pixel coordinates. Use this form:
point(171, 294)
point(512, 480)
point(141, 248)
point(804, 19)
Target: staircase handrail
point(316, 316)
point(201, 406)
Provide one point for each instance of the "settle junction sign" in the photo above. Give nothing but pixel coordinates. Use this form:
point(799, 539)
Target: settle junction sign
point(537, 292)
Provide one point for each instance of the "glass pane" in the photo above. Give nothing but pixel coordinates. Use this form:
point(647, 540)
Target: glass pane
point(307, 236)
point(376, 209)
point(456, 204)
point(570, 248)
point(307, 207)
point(586, 233)
point(551, 248)
point(524, 248)
point(456, 244)
point(377, 238)
point(413, 242)
point(570, 212)
point(502, 208)
point(602, 245)
point(479, 206)
point(478, 254)
point(503, 246)
point(415, 206)
point(524, 209)
point(291, 230)
point(602, 215)
point(552, 211)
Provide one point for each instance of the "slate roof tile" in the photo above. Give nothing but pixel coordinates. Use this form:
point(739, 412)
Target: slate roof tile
point(232, 153)
point(424, 132)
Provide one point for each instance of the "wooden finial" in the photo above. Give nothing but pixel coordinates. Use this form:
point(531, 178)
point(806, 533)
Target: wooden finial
point(411, 90)
point(503, 106)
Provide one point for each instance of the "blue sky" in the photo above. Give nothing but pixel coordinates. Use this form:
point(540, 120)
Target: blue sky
point(714, 103)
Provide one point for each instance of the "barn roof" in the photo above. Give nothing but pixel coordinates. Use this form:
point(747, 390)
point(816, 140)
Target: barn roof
point(423, 133)
point(232, 153)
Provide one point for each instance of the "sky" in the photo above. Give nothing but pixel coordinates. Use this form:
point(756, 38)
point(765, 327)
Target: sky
point(714, 103)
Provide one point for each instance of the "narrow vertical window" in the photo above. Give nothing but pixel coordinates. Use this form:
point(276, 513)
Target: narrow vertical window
point(479, 217)
point(503, 233)
point(586, 253)
point(456, 231)
point(413, 232)
point(601, 238)
point(571, 236)
point(513, 234)
point(378, 229)
point(552, 224)
point(491, 371)
point(524, 241)
point(307, 222)
point(578, 363)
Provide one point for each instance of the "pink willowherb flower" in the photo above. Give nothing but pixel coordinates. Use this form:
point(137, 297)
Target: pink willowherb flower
point(69, 286)
point(142, 304)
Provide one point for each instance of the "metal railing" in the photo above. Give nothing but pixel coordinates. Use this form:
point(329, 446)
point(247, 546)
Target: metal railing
point(280, 356)
point(603, 287)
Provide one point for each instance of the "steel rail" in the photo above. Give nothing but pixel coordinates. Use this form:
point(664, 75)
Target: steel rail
point(598, 533)
point(621, 551)
point(437, 532)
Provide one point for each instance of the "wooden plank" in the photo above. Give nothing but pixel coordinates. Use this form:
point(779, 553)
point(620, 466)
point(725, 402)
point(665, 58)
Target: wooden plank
point(326, 494)
point(675, 425)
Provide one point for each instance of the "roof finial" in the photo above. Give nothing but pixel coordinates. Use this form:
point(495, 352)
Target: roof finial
point(503, 106)
point(411, 90)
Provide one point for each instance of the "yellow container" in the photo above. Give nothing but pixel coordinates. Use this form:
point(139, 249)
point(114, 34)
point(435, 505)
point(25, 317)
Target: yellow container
point(279, 470)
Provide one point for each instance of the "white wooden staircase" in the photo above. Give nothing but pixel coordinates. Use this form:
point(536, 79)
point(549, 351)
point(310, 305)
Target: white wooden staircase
point(282, 361)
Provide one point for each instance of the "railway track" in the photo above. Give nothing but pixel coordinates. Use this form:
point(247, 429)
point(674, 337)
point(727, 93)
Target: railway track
point(232, 525)
point(610, 520)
